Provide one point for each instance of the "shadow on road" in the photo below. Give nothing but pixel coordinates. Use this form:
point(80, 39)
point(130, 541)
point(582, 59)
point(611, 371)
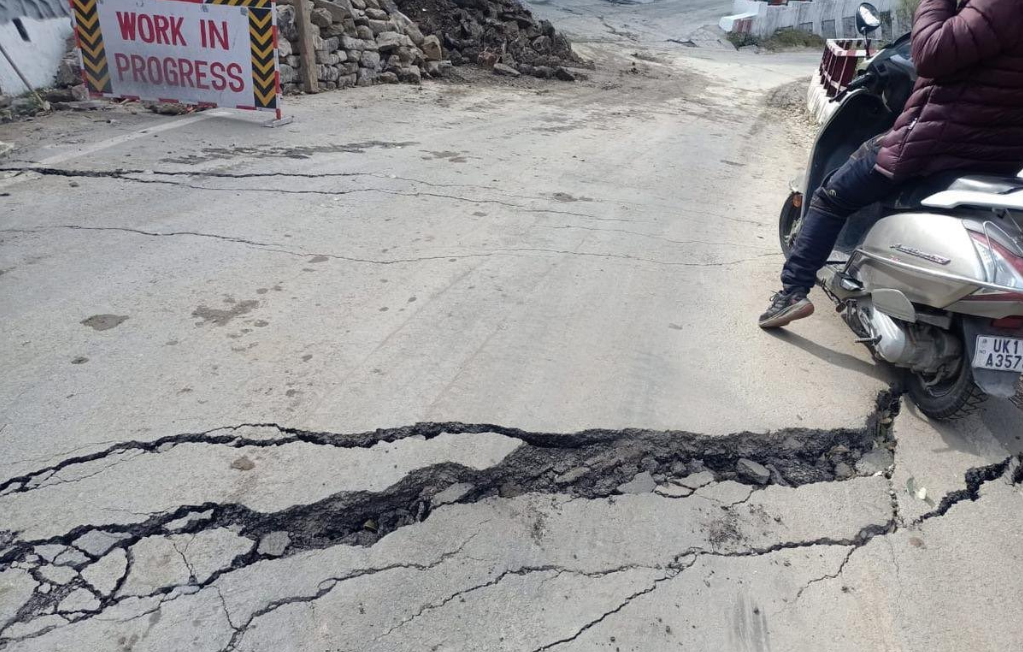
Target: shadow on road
point(843, 360)
point(996, 426)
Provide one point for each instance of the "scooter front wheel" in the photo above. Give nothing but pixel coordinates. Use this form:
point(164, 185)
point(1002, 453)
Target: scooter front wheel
point(789, 220)
point(948, 399)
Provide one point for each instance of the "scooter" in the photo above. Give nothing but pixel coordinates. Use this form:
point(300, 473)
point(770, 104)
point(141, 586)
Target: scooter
point(931, 279)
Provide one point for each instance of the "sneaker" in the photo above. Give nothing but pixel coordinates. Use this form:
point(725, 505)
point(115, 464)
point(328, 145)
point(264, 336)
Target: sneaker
point(785, 308)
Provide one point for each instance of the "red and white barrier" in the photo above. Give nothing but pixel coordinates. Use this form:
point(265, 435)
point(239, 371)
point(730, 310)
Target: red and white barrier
point(839, 63)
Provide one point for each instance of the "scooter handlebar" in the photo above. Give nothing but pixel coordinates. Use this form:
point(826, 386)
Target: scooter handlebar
point(865, 79)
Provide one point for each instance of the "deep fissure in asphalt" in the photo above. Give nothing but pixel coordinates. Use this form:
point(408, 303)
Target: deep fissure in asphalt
point(591, 464)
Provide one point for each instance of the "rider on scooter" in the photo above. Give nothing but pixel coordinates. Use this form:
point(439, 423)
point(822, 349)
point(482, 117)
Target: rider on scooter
point(966, 112)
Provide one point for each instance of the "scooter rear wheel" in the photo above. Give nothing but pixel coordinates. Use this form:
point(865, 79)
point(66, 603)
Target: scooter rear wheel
point(950, 399)
point(788, 222)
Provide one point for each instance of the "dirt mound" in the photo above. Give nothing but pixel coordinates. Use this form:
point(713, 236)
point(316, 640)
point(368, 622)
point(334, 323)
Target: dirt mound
point(493, 31)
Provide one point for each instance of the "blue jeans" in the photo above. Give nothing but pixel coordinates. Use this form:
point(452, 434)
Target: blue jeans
point(851, 187)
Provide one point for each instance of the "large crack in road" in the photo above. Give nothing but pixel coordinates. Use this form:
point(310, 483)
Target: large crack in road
point(589, 465)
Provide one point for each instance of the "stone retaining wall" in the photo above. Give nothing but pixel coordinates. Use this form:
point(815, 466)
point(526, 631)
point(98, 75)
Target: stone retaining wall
point(357, 43)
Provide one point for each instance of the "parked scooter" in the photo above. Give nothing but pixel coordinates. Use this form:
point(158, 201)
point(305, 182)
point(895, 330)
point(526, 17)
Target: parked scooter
point(931, 280)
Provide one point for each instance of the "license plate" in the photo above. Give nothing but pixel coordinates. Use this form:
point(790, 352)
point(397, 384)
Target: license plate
point(1001, 353)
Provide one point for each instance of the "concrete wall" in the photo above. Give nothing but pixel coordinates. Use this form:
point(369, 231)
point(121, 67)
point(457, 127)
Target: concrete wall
point(828, 18)
point(38, 58)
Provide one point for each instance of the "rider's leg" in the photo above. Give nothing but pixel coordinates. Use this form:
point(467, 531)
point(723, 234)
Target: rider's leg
point(853, 186)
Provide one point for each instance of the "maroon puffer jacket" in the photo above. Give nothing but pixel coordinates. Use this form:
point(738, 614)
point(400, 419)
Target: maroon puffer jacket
point(966, 111)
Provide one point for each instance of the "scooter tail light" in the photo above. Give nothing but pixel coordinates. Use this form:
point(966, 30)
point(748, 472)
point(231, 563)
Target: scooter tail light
point(1006, 265)
point(1008, 323)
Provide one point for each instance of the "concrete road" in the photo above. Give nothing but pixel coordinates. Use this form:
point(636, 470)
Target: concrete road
point(650, 23)
point(471, 366)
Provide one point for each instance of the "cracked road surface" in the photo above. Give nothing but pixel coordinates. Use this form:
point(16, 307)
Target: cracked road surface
point(471, 366)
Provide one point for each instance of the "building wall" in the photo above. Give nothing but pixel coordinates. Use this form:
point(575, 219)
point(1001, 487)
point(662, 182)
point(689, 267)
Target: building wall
point(828, 18)
point(39, 57)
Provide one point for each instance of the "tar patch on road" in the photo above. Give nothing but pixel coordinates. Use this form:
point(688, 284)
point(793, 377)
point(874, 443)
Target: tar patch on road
point(104, 322)
point(221, 317)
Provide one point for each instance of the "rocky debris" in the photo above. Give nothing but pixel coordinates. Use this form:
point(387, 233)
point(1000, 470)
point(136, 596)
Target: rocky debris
point(753, 472)
point(697, 480)
point(564, 74)
point(357, 43)
point(792, 444)
point(673, 491)
point(568, 477)
point(167, 108)
point(643, 483)
point(727, 492)
point(843, 471)
point(107, 572)
point(186, 521)
point(432, 49)
point(507, 71)
point(876, 461)
point(452, 494)
point(501, 31)
point(776, 476)
point(274, 544)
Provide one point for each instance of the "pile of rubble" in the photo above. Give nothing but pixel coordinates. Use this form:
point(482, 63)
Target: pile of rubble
point(494, 31)
point(362, 42)
point(357, 43)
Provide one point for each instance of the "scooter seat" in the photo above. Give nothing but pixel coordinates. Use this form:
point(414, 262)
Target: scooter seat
point(912, 194)
point(988, 184)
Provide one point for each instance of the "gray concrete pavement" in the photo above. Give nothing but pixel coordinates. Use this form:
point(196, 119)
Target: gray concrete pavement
point(219, 339)
point(594, 251)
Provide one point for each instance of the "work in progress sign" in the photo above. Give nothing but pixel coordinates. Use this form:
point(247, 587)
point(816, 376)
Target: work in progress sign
point(204, 52)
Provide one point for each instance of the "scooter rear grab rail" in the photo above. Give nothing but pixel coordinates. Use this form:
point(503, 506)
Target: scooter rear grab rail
point(966, 280)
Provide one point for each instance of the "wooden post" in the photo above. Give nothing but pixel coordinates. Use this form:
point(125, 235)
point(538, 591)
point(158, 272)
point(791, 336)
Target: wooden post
point(310, 81)
point(43, 104)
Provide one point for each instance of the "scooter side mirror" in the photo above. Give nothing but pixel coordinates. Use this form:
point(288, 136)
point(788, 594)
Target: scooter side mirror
point(867, 20)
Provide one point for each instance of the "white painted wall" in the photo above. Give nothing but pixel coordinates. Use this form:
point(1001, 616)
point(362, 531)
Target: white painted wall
point(38, 58)
point(825, 17)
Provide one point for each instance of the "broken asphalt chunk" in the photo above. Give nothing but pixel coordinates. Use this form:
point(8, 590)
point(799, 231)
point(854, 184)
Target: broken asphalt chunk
point(105, 573)
point(79, 600)
point(570, 476)
point(643, 483)
point(274, 544)
point(697, 480)
point(451, 494)
point(876, 461)
point(753, 472)
point(673, 491)
point(97, 542)
point(57, 574)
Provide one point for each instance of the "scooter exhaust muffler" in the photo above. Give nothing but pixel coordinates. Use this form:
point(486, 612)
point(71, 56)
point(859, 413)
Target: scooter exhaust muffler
point(921, 348)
